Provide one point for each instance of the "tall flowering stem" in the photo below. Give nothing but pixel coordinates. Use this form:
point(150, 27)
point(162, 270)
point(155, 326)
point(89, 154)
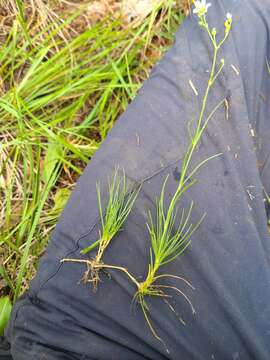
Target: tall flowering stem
point(166, 243)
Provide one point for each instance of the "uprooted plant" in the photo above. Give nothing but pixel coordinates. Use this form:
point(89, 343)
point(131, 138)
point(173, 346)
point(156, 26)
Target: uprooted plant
point(119, 206)
point(166, 243)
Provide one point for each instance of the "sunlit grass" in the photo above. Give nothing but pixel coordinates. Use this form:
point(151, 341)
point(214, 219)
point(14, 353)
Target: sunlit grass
point(58, 101)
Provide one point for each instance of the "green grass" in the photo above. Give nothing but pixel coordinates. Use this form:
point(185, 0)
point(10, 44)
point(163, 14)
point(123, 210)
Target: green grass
point(58, 101)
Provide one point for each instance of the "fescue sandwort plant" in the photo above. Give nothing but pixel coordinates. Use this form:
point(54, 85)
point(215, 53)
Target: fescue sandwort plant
point(166, 243)
point(119, 206)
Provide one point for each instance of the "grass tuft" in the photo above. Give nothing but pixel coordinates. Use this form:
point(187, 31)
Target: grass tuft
point(59, 97)
point(118, 208)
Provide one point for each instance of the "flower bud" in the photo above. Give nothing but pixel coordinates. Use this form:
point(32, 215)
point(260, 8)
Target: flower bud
point(214, 32)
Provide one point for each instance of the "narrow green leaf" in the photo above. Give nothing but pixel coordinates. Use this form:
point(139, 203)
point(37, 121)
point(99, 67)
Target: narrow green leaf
point(60, 199)
point(53, 154)
point(90, 248)
point(5, 310)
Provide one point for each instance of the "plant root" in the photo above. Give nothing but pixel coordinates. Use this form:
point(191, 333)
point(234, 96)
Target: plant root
point(93, 269)
point(92, 275)
point(157, 290)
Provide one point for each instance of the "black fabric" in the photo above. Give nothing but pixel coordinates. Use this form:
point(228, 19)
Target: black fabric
point(4, 349)
point(228, 261)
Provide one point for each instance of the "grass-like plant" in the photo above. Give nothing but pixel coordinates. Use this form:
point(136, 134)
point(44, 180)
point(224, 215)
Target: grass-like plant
point(112, 218)
point(58, 100)
point(167, 243)
point(118, 208)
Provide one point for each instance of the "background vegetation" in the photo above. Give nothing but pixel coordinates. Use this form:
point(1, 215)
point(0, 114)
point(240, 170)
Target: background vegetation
point(67, 71)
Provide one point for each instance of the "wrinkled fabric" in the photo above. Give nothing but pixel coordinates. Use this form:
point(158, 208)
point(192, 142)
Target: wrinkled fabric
point(228, 260)
point(4, 349)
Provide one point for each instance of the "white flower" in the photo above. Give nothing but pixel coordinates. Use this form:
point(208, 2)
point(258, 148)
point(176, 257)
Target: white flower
point(201, 7)
point(228, 22)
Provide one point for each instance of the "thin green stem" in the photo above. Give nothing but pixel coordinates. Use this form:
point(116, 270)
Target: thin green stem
point(188, 155)
point(166, 247)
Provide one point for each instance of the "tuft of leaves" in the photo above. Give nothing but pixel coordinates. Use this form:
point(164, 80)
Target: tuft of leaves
point(119, 206)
